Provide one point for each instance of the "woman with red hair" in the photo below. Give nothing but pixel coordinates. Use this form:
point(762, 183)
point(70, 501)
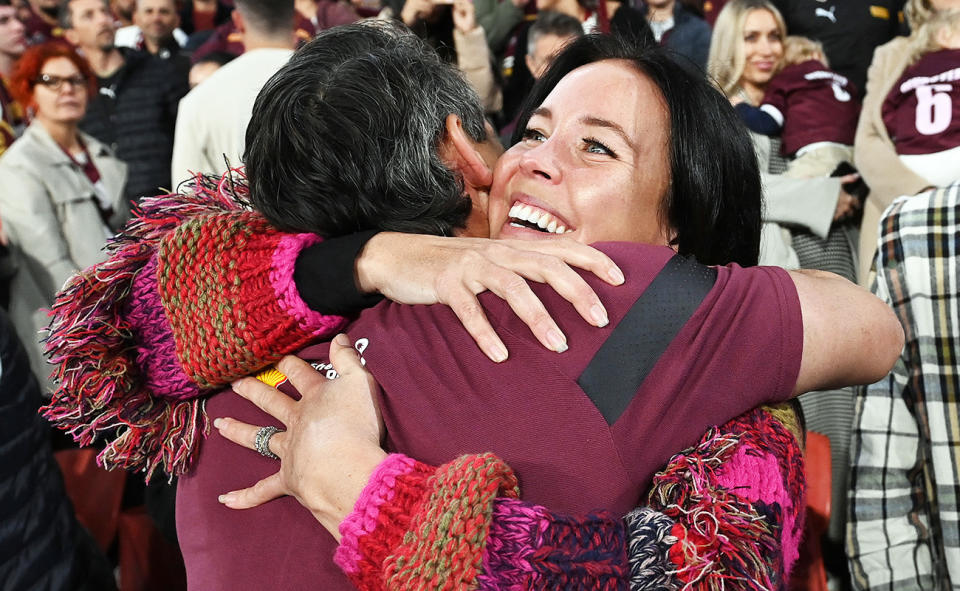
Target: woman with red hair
point(62, 189)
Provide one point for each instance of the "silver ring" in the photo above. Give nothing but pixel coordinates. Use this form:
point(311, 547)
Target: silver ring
point(262, 442)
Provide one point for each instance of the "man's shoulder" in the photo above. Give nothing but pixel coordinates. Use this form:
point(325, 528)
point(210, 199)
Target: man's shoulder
point(935, 208)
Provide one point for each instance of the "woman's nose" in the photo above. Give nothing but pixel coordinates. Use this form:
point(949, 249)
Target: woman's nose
point(540, 161)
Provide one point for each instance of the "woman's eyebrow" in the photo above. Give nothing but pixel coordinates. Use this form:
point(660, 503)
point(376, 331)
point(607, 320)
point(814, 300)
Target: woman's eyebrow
point(614, 127)
point(542, 112)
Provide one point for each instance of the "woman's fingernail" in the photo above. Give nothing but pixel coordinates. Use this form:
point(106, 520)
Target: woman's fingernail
point(616, 275)
point(498, 352)
point(227, 498)
point(557, 341)
point(599, 315)
point(218, 423)
point(342, 340)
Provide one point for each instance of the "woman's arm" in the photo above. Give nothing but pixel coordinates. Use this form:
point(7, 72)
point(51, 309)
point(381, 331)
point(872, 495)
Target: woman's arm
point(730, 507)
point(198, 291)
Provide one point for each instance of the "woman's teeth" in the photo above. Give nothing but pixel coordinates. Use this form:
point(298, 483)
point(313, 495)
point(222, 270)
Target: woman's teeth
point(531, 217)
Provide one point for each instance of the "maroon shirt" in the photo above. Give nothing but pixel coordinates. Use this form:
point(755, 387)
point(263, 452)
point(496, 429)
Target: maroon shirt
point(441, 397)
point(813, 104)
point(922, 110)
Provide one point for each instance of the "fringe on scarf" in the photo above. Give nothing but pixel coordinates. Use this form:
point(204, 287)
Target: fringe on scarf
point(724, 541)
point(101, 392)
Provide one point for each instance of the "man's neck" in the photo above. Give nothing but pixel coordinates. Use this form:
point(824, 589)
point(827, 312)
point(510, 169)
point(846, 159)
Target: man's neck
point(253, 41)
point(660, 13)
point(307, 8)
point(104, 62)
point(153, 46)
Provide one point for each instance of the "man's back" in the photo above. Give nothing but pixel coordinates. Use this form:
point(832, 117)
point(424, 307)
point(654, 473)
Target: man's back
point(212, 119)
point(442, 398)
point(907, 429)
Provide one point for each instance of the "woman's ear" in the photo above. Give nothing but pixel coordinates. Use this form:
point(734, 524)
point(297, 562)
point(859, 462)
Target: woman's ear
point(460, 152)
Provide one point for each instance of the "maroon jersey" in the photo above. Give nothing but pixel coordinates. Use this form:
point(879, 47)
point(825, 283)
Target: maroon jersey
point(922, 110)
point(441, 397)
point(813, 104)
point(38, 30)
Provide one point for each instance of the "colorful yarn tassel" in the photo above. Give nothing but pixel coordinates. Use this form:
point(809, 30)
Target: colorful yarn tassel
point(197, 291)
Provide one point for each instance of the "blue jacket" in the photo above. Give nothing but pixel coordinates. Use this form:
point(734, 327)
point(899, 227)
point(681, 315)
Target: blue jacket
point(690, 35)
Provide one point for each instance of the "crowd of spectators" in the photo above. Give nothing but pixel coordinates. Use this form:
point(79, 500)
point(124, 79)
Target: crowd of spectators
point(850, 104)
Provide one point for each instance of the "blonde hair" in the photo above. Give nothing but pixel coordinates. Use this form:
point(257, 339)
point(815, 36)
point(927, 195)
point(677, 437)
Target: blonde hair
point(797, 49)
point(917, 13)
point(924, 39)
point(727, 58)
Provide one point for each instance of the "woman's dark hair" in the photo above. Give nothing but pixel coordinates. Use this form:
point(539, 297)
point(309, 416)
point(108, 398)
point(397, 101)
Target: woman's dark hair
point(714, 201)
point(345, 137)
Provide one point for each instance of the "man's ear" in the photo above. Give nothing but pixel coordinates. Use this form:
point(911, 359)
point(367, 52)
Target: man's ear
point(459, 151)
point(71, 36)
point(238, 21)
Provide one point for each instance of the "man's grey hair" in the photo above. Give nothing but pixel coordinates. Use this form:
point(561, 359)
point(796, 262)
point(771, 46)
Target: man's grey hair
point(550, 22)
point(345, 137)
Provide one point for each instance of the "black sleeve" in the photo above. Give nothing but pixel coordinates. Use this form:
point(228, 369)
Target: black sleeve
point(757, 121)
point(324, 276)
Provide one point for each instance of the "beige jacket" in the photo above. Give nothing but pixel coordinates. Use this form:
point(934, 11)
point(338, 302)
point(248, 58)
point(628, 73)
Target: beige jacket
point(52, 222)
point(790, 203)
point(874, 154)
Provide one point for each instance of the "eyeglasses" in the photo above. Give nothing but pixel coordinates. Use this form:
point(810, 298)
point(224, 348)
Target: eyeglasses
point(56, 82)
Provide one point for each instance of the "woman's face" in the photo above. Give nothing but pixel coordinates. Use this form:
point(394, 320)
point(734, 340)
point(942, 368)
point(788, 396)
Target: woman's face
point(763, 48)
point(60, 95)
point(593, 164)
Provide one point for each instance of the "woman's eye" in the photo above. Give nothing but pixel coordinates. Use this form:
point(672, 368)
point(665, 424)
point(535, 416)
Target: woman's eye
point(533, 135)
point(750, 38)
point(596, 147)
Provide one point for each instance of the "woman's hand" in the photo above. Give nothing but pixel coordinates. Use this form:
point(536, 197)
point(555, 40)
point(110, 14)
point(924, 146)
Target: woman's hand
point(453, 270)
point(847, 204)
point(414, 10)
point(464, 16)
point(332, 440)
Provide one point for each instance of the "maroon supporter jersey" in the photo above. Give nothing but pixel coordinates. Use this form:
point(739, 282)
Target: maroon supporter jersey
point(813, 104)
point(441, 397)
point(922, 110)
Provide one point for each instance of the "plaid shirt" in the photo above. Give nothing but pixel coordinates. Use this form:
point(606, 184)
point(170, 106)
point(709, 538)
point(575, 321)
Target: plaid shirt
point(903, 528)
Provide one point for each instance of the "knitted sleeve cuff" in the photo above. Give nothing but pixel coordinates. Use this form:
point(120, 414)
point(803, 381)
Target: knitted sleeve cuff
point(380, 517)
point(324, 275)
point(423, 528)
point(226, 282)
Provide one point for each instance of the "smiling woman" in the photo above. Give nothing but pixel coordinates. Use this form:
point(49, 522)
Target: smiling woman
point(575, 146)
point(700, 196)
